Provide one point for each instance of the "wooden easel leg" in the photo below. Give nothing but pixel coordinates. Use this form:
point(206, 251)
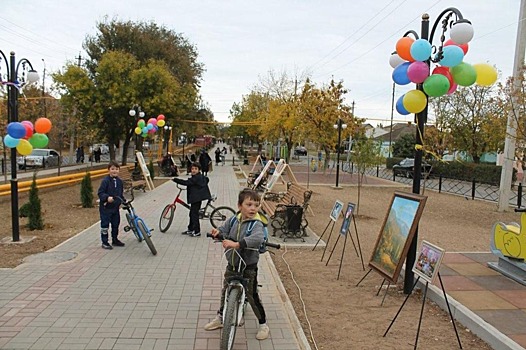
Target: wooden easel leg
point(319, 239)
point(401, 306)
point(328, 240)
point(343, 252)
point(449, 310)
point(358, 241)
point(421, 314)
point(332, 251)
point(360, 281)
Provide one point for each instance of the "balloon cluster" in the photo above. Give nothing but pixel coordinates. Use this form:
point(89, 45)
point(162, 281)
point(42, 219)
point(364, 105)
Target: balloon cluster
point(409, 63)
point(144, 128)
point(25, 136)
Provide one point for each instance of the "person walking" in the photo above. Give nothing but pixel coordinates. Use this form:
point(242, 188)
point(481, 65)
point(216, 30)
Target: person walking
point(218, 156)
point(204, 161)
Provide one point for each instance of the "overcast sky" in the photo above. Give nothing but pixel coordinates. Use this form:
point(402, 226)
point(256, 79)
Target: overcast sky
point(239, 41)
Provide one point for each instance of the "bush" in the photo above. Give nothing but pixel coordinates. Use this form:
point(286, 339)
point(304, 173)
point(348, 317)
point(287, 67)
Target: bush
point(35, 210)
point(24, 210)
point(86, 191)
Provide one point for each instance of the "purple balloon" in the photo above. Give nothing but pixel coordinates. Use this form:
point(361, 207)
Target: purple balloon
point(400, 106)
point(418, 72)
point(400, 74)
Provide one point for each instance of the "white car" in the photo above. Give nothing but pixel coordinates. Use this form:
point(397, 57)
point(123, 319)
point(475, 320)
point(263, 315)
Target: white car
point(104, 149)
point(39, 157)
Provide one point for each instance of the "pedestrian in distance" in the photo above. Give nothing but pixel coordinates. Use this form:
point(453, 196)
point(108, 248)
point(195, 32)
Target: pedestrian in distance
point(205, 160)
point(80, 154)
point(235, 237)
point(110, 192)
point(218, 156)
point(197, 192)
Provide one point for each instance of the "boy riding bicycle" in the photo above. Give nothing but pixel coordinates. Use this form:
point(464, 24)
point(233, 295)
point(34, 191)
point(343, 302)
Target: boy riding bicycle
point(235, 237)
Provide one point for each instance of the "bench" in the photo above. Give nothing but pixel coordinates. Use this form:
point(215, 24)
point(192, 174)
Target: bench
point(129, 182)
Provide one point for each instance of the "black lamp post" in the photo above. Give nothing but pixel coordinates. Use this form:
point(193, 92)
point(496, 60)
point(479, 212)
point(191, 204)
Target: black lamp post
point(169, 141)
point(13, 83)
point(183, 135)
point(461, 32)
point(136, 111)
point(339, 125)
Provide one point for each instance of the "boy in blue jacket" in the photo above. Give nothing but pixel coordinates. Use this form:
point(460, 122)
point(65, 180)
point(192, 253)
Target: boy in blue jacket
point(235, 237)
point(110, 192)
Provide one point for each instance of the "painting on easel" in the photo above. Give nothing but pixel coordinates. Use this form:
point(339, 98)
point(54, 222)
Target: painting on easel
point(347, 219)
point(396, 234)
point(336, 210)
point(428, 261)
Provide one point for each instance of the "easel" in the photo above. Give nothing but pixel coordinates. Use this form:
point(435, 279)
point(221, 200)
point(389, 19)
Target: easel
point(144, 170)
point(422, 310)
point(328, 240)
point(347, 233)
point(379, 289)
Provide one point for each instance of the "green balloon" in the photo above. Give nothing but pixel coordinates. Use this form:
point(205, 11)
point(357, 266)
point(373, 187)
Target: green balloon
point(39, 140)
point(436, 85)
point(464, 74)
point(141, 124)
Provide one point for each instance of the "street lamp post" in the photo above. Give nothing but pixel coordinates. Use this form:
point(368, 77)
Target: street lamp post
point(14, 82)
point(183, 134)
point(136, 111)
point(339, 125)
point(461, 29)
point(169, 142)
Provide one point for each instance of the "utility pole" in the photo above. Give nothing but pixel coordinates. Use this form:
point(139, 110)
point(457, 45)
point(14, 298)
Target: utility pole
point(44, 88)
point(511, 126)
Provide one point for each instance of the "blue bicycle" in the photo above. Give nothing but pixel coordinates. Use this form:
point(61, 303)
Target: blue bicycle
point(137, 225)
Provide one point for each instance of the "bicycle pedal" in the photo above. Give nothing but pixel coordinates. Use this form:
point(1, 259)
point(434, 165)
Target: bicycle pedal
point(126, 228)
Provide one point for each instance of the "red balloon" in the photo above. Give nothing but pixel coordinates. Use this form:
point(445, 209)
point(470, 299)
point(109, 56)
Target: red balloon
point(160, 117)
point(445, 72)
point(29, 130)
point(464, 47)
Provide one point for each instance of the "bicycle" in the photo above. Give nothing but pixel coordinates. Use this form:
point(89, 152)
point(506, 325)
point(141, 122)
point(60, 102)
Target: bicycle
point(217, 216)
point(235, 298)
point(137, 225)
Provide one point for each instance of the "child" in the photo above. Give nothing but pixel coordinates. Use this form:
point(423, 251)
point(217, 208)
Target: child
point(248, 246)
point(197, 192)
point(110, 193)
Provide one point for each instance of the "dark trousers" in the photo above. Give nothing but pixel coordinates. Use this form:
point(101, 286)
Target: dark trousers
point(194, 224)
point(107, 218)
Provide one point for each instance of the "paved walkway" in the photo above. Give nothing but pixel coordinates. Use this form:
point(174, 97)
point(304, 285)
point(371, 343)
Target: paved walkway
point(79, 296)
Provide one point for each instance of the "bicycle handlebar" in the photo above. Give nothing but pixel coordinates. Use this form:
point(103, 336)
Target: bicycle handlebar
point(221, 238)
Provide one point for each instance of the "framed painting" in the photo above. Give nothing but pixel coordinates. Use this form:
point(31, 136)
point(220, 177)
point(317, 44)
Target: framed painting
point(347, 219)
point(396, 234)
point(336, 210)
point(427, 263)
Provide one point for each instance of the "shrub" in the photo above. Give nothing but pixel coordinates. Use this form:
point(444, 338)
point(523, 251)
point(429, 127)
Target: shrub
point(35, 210)
point(86, 191)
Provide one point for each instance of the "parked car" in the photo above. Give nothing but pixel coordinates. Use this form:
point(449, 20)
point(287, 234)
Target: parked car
point(146, 145)
point(300, 151)
point(39, 157)
point(406, 168)
point(104, 149)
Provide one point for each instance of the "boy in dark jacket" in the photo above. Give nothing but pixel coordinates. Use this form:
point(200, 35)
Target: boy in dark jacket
point(235, 237)
point(110, 193)
point(197, 192)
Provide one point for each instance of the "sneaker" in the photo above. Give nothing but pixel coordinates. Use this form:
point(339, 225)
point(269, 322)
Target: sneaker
point(263, 332)
point(117, 243)
point(216, 323)
point(195, 234)
point(186, 232)
point(107, 246)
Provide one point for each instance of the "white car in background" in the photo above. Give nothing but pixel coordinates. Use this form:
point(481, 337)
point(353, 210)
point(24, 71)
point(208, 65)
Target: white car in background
point(39, 158)
point(104, 149)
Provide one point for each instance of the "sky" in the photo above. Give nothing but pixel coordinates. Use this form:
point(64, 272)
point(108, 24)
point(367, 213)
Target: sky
point(241, 41)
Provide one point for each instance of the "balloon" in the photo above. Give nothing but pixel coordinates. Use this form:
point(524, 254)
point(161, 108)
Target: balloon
point(464, 47)
point(452, 89)
point(16, 130)
point(464, 74)
point(141, 124)
point(27, 122)
point(415, 101)
point(144, 130)
point(39, 140)
point(395, 60)
point(400, 106)
point(436, 85)
point(144, 134)
point(149, 126)
point(403, 48)
point(160, 117)
point(43, 125)
point(486, 74)
point(418, 72)
point(29, 131)
point(138, 130)
point(10, 142)
point(152, 121)
point(445, 72)
point(421, 50)
point(452, 56)
point(24, 147)
point(161, 123)
point(400, 74)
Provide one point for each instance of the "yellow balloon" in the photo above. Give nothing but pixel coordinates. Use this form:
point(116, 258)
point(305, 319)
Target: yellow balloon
point(160, 123)
point(486, 74)
point(24, 147)
point(414, 101)
point(138, 130)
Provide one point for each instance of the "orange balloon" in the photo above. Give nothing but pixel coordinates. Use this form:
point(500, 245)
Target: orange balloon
point(403, 48)
point(43, 125)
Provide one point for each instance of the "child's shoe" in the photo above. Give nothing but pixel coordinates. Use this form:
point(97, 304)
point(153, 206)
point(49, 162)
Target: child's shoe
point(216, 323)
point(263, 332)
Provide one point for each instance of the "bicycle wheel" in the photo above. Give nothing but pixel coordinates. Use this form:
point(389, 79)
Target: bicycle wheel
point(131, 224)
point(219, 215)
point(166, 218)
point(228, 334)
point(146, 235)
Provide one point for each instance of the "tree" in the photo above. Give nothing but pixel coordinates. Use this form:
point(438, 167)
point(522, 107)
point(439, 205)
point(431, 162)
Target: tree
point(405, 146)
point(86, 191)
point(35, 221)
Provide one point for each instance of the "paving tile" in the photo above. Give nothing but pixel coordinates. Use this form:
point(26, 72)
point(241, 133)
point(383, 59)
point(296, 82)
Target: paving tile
point(472, 269)
point(495, 283)
point(458, 283)
point(481, 300)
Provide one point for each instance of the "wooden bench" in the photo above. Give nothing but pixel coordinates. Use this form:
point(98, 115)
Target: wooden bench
point(129, 183)
point(295, 194)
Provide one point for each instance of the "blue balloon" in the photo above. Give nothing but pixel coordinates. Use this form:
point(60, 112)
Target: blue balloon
point(149, 126)
point(400, 106)
point(453, 56)
point(421, 50)
point(400, 74)
point(11, 142)
point(145, 130)
point(16, 130)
